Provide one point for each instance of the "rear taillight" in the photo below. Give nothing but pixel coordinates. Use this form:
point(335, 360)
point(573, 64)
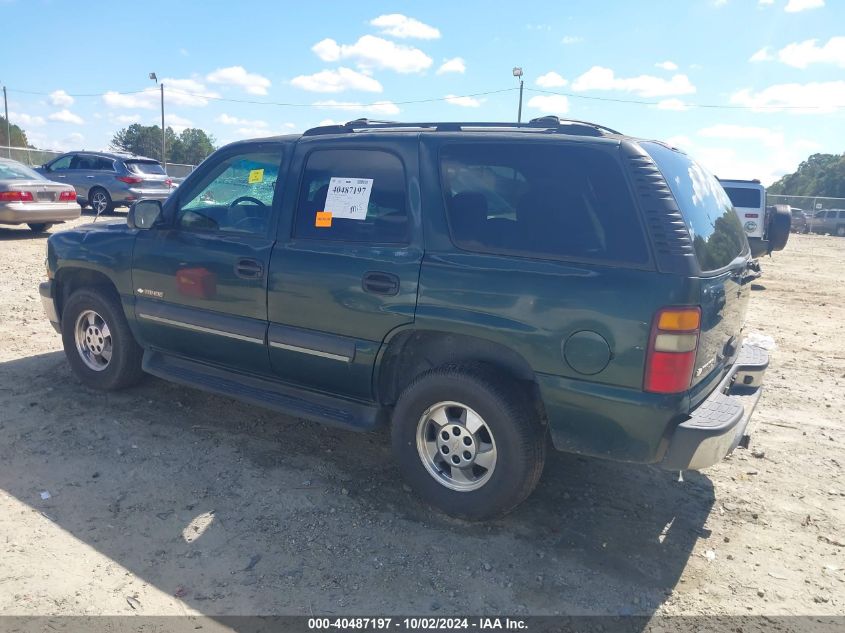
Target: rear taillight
point(15, 196)
point(671, 351)
point(130, 180)
point(67, 196)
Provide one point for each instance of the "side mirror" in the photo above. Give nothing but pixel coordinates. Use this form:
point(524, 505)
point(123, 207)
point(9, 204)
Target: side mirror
point(143, 214)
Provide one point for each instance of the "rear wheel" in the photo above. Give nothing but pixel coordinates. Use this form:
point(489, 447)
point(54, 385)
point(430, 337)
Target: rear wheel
point(467, 440)
point(840, 230)
point(100, 201)
point(39, 227)
point(98, 343)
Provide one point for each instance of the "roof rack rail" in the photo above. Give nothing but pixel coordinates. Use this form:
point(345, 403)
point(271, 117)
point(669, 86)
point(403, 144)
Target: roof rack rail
point(547, 124)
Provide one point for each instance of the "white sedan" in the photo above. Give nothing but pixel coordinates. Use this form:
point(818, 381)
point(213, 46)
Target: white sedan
point(27, 197)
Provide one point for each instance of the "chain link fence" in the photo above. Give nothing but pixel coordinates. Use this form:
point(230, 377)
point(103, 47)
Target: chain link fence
point(37, 157)
point(821, 214)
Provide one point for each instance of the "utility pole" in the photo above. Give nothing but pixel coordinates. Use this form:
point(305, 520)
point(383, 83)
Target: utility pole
point(517, 72)
point(8, 125)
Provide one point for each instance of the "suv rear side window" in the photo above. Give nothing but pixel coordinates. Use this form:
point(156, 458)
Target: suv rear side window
point(385, 219)
point(716, 232)
point(549, 201)
point(743, 197)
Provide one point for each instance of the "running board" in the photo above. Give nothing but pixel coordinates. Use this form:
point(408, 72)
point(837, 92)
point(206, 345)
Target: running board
point(283, 398)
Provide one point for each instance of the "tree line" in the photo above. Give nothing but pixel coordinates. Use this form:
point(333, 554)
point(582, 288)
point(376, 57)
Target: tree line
point(820, 175)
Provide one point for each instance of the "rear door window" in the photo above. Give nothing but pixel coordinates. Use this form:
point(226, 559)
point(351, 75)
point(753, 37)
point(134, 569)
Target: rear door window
point(552, 201)
point(743, 197)
point(150, 167)
point(353, 195)
point(714, 227)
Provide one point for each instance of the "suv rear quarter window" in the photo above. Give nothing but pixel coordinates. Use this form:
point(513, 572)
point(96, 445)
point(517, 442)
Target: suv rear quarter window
point(541, 200)
point(714, 227)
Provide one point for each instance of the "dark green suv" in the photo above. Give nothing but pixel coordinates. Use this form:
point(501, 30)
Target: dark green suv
point(481, 288)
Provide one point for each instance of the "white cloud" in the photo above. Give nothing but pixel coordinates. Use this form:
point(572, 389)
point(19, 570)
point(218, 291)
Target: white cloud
point(127, 118)
point(253, 132)
point(66, 116)
point(765, 3)
point(551, 80)
point(337, 81)
point(454, 65)
point(380, 107)
point(810, 98)
point(680, 141)
point(571, 39)
point(672, 104)
point(180, 92)
point(402, 26)
point(70, 142)
point(794, 6)
point(252, 83)
point(763, 55)
point(599, 78)
point(374, 52)
point(466, 102)
point(549, 104)
point(763, 135)
point(177, 122)
point(226, 119)
point(802, 54)
point(667, 65)
point(60, 99)
point(26, 120)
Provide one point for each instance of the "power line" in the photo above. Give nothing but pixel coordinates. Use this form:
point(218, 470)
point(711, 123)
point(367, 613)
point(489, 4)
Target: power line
point(717, 106)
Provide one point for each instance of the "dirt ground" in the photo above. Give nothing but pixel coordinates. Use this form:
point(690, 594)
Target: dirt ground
point(165, 500)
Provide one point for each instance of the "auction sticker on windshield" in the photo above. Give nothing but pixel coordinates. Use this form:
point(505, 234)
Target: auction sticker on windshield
point(349, 197)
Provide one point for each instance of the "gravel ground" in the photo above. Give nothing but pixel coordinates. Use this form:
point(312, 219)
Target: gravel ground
point(165, 500)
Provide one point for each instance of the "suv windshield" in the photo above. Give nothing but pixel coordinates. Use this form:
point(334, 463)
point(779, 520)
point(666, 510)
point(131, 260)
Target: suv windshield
point(717, 235)
point(744, 197)
point(146, 167)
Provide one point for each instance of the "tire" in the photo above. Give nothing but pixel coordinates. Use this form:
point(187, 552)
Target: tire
point(510, 426)
point(39, 227)
point(840, 230)
point(100, 201)
point(779, 225)
point(120, 367)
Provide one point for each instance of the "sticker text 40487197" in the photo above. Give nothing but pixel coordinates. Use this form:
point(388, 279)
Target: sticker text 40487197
point(349, 198)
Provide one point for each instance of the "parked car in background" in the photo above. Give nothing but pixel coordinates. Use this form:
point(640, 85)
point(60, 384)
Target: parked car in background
point(799, 220)
point(828, 221)
point(105, 180)
point(767, 228)
point(480, 286)
point(26, 197)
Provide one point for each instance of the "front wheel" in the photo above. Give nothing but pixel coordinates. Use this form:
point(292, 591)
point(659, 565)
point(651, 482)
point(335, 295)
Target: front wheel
point(468, 440)
point(98, 343)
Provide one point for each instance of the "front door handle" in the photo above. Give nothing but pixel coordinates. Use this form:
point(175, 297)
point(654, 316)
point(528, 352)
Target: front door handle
point(380, 283)
point(249, 269)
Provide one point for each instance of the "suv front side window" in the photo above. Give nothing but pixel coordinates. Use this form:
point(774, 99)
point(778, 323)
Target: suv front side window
point(236, 195)
point(61, 164)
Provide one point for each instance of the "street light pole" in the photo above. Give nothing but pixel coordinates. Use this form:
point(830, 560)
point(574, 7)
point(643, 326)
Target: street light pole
point(163, 148)
point(517, 72)
point(8, 125)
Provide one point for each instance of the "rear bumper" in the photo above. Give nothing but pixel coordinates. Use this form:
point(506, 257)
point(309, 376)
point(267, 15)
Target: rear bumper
point(716, 427)
point(48, 301)
point(134, 193)
point(32, 212)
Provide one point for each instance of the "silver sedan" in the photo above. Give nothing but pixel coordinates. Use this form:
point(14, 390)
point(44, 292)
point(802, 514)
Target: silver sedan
point(27, 197)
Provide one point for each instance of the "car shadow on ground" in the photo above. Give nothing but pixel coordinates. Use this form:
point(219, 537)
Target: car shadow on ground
point(18, 233)
point(236, 510)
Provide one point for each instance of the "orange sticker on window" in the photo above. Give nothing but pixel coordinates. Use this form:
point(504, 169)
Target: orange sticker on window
point(323, 219)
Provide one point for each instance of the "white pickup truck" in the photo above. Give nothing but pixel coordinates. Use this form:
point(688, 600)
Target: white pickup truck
point(766, 227)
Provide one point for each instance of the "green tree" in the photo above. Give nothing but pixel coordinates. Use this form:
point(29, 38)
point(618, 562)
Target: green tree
point(143, 140)
point(191, 147)
point(819, 175)
point(18, 135)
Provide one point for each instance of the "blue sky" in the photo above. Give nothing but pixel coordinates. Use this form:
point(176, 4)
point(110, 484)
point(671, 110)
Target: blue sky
point(778, 63)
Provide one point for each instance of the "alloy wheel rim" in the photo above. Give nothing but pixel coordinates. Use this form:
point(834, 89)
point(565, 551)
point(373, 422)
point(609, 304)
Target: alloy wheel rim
point(99, 202)
point(93, 340)
point(456, 446)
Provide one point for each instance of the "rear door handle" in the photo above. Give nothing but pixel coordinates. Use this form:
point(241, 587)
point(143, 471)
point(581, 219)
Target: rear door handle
point(249, 269)
point(379, 283)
